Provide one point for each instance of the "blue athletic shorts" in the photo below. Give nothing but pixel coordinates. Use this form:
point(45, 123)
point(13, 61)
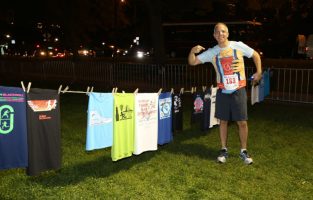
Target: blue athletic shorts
point(231, 107)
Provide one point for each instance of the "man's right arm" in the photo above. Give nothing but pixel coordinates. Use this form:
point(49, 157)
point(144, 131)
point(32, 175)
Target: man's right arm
point(192, 58)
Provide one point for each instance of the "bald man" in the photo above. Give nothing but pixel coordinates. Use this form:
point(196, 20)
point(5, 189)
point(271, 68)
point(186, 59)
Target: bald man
point(231, 98)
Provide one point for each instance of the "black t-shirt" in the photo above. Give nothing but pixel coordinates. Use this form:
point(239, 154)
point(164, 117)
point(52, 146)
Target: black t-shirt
point(44, 131)
point(197, 108)
point(206, 110)
point(177, 112)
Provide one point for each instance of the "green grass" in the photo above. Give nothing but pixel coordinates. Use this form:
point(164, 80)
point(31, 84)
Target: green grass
point(280, 142)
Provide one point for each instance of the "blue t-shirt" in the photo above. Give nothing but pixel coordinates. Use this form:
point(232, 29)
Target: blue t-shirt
point(165, 134)
point(100, 121)
point(13, 129)
point(266, 77)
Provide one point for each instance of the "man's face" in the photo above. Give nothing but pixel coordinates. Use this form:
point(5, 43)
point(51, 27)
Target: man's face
point(221, 33)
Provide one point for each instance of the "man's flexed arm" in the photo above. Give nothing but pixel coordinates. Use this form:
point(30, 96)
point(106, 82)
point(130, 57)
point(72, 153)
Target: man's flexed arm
point(192, 58)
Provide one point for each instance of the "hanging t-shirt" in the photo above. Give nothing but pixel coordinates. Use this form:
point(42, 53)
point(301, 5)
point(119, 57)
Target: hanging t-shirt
point(266, 77)
point(197, 108)
point(165, 134)
point(206, 110)
point(254, 94)
point(44, 131)
point(123, 135)
point(213, 119)
point(13, 129)
point(146, 122)
point(261, 89)
point(177, 112)
point(99, 121)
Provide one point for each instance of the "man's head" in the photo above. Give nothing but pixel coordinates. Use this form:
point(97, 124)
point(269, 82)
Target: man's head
point(221, 33)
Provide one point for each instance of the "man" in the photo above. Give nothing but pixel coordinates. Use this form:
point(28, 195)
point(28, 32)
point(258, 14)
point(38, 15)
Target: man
point(231, 98)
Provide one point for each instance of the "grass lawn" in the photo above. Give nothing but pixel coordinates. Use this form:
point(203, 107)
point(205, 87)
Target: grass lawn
point(280, 142)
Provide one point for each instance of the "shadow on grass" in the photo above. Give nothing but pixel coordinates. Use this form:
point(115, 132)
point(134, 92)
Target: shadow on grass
point(103, 166)
point(100, 167)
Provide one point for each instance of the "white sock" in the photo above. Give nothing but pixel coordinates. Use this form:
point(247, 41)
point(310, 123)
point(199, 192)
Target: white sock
point(243, 150)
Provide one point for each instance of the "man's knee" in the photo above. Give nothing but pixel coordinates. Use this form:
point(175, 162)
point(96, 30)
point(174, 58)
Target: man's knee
point(242, 124)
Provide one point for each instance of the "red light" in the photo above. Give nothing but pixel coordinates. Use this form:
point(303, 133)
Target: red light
point(37, 46)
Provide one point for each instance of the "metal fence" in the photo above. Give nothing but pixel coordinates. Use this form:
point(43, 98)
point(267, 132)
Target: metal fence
point(287, 84)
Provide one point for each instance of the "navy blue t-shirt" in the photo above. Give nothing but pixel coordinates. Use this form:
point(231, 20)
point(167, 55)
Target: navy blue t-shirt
point(13, 129)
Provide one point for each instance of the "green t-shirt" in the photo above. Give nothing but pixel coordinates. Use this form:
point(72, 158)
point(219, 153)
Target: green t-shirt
point(123, 136)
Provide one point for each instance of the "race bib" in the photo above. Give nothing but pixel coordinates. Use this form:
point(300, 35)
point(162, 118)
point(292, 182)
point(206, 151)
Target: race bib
point(231, 82)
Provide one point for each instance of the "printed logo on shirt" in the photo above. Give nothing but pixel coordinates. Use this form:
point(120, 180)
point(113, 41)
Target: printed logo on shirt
point(226, 63)
point(198, 105)
point(123, 112)
point(11, 97)
point(147, 110)
point(177, 104)
point(44, 117)
point(6, 119)
point(97, 119)
point(42, 105)
point(165, 108)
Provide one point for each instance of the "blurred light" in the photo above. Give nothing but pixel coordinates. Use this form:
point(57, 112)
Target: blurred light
point(56, 39)
point(12, 41)
point(112, 46)
point(103, 43)
point(139, 54)
point(8, 36)
point(37, 46)
point(42, 53)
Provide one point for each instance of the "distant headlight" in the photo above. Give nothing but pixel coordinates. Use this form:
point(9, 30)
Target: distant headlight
point(139, 54)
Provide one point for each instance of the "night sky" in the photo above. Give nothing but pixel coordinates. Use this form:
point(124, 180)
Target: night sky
point(90, 22)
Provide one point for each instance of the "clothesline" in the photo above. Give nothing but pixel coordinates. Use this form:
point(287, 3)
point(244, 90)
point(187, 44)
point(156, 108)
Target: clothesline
point(114, 90)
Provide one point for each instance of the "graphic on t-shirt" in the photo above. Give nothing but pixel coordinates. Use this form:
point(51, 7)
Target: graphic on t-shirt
point(11, 97)
point(226, 63)
point(123, 112)
point(6, 119)
point(165, 108)
point(97, 119)
point(198, 105)
point(177, 104)
point(42, 105)
point(147, 110)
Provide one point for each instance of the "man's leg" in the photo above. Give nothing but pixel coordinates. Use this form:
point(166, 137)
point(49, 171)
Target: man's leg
point(223, 133)
point(243, 133)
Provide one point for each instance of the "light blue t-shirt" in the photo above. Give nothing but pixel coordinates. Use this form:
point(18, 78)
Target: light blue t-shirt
point(100, 121)
point(207, 56)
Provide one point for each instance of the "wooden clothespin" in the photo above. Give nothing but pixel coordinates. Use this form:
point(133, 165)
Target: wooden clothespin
point(60, 89)
point(116, 90)
point(136, 91)
point(195, 89)
point(159, 92)
point(87, 92)
point(28, 87)
point(172, 91)
point(23, 87)
point(65, 89)
point(181, 90)
point(91, 90)
point(203, 88)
